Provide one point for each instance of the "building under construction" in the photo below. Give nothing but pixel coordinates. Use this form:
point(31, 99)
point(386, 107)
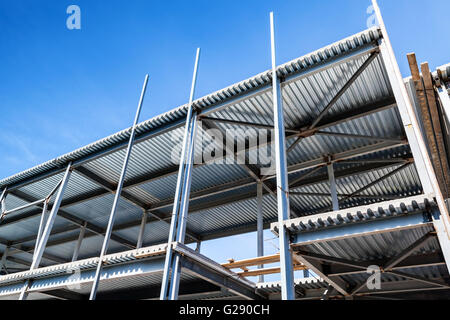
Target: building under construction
point(361, 183)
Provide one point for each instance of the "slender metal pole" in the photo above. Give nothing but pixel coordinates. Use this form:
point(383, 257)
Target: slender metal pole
point(333, 187)
point(2, 202)
point(179, 188)
point(31, 204)
point(418, 147)
point(112, 215)
point(287, 273)
point(260, 225)
point(76, 250)
point(51, 219)
point(42, 222)
point(182, 218)
point(141, 230)
point(37, 256)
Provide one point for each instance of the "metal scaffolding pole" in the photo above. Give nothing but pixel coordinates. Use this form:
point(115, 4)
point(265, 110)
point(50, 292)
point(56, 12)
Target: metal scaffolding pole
point(260, 226)
point(112, 215)
point(287, 273)
point(333, 187)
point(184, 166)
point(418, 147)
point(38, 253)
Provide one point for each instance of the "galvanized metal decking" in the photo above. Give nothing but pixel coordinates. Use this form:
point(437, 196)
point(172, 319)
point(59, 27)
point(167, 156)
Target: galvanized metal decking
point(354, 186)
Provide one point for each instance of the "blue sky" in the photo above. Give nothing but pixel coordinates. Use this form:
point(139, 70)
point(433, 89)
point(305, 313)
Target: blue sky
point(62, 89)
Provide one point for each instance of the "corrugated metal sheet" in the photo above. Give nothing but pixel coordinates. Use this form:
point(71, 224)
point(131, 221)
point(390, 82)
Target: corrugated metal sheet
point(291, 67)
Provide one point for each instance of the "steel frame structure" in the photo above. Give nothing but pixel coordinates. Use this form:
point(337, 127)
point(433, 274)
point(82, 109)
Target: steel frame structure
point(295, 245)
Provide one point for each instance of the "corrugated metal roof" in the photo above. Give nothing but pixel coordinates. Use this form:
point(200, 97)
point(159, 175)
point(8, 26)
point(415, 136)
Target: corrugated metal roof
point(292, 67)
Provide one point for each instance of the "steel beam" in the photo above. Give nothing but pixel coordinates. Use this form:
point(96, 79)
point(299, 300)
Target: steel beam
point(445, 101)
point(37, 256)
point(218, 279)
point(76, 250)
point(112, 215)
point(95, 230)
point(260, 226)
point(410, 221)
point(2, 202)
point(418, 147)
point(141, 230)
point(329, 122)
point(333, 187)
point(287, 272)
point(245, 124)
point(184, 209)
point(407, 251)
point(344, 89)
point(181, 187)
point(3, 261)
point(76, 221)
point(316, 267)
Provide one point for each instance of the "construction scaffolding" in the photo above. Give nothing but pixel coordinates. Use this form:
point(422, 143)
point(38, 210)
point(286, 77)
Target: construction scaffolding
point(361, 179)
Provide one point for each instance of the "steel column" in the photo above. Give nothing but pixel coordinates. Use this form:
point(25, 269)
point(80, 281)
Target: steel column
point(2, 203)
point(141, 230)
point(260, 226)
point(180, 188)
point(333, 187)
point(112, 215)
point(3, 261)
point(287, 273)
point(42, 222)
point(37, 256)
point(76, 251)
point(182, 217)
point(418, 147)
point(445, 101)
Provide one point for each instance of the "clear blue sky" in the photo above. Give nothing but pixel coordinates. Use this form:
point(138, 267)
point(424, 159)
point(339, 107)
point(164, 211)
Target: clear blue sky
point(62, 89)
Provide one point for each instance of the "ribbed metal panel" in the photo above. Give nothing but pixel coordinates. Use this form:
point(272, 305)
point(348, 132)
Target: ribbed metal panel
point(292, 67)
point(98, 210)
point(372, 247)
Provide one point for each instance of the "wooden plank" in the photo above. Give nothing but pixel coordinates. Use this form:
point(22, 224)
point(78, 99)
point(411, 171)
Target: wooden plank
point(426, 117)
point(252, 261)
point(258, 272)
point(432, 106)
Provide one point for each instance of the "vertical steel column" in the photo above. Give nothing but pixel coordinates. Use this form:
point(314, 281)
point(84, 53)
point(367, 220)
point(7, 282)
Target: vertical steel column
point(2, 202)
point(287, 273)
point(180, 187)
point(333, 187)
point(3, 261)
point(260, 226)
point(76, 250)
point(141, 230)
point(37, 256)
point(42, 222)
point(51, 219)
point(418, 147)
point(182, 217)
point(445, 101)
point(112, 215)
